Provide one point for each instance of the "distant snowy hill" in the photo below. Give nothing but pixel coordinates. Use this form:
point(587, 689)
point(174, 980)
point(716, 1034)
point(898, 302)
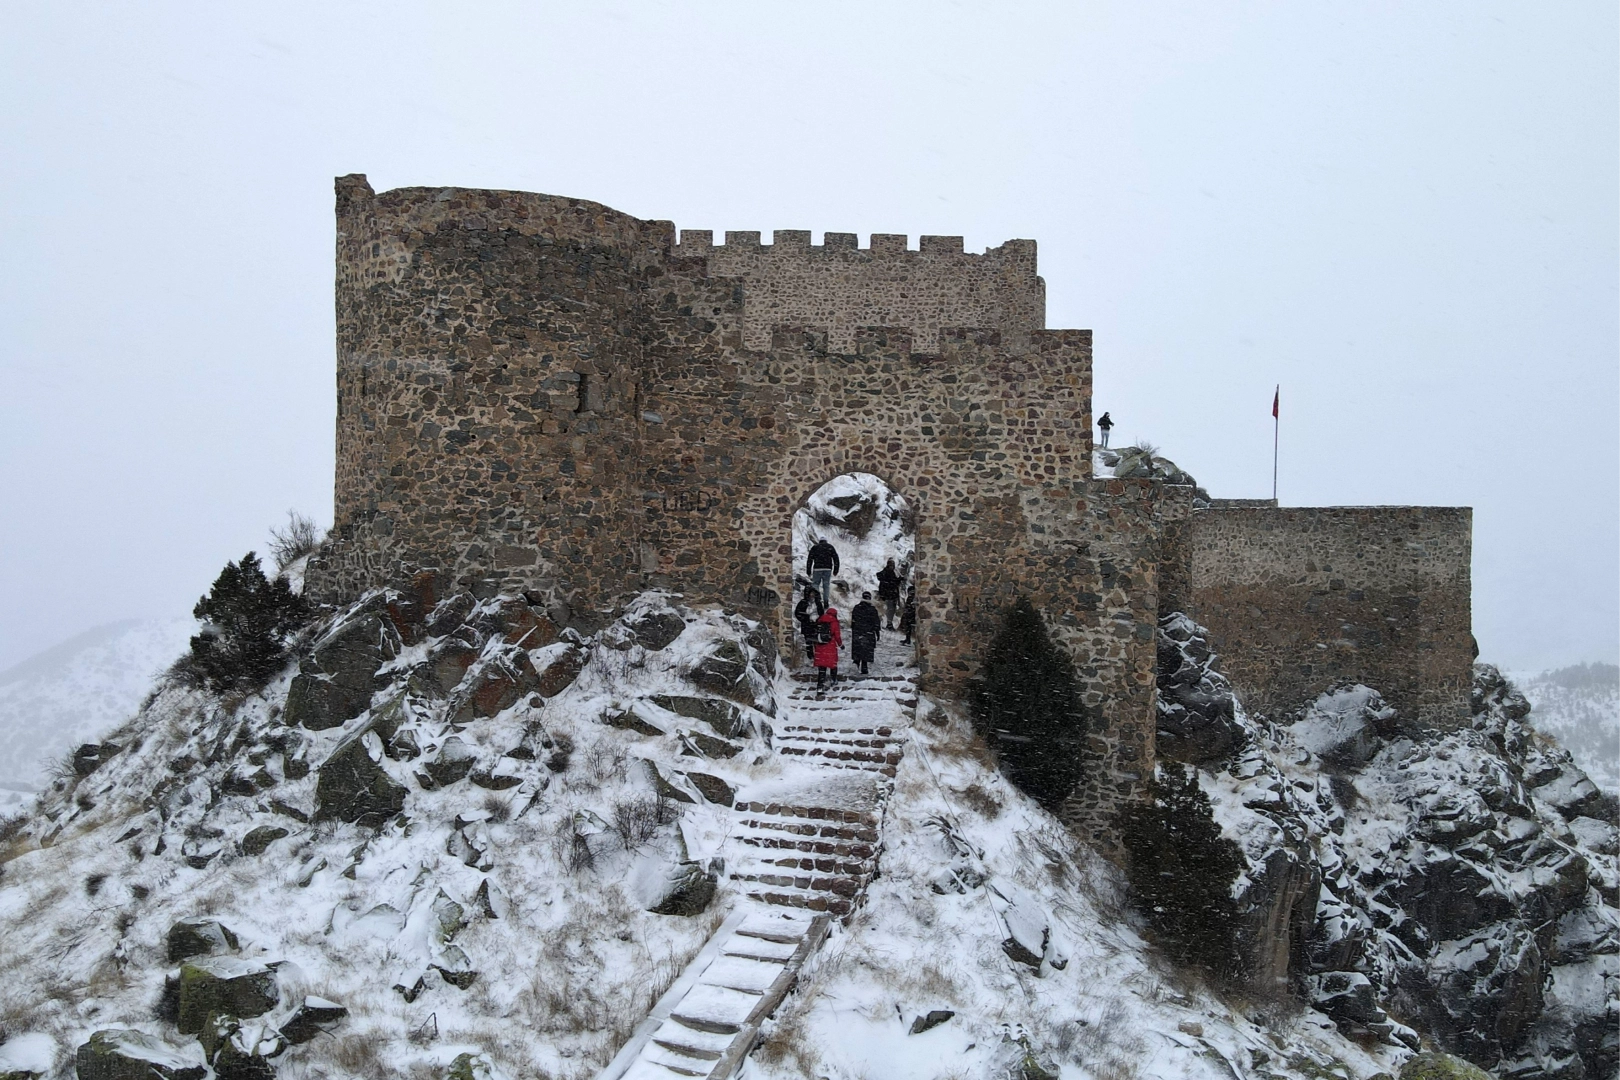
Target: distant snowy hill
point(1580, 707)
point(75, 692)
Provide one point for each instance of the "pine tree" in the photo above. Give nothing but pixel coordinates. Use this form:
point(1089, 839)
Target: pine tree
point(1181, 870)
point(246, 622)
point(1027, 707)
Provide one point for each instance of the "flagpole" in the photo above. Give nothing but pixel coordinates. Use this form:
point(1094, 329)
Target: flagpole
point(1276, 427)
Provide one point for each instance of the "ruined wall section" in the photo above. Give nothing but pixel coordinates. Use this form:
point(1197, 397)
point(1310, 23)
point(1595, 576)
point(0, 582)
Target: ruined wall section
point(1297, 599)
point(840, 287)
point(488, 349)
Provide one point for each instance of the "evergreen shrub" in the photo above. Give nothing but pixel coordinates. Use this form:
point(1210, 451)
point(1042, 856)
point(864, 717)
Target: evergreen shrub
point(1026, 705)
point(247, 620)
point(1181, 871)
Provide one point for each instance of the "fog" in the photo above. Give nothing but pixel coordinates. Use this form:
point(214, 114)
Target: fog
point(1404, 214)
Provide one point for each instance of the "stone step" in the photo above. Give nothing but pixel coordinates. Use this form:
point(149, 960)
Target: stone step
point(837, 753)
point(837, 831)
point(851, 867)
point(812, 813)
point(845, 885)
point(832, 905)
point(789, 731)
point(842, 848)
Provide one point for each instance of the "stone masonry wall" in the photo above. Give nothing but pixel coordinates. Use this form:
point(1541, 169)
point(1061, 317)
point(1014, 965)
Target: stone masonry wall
point(1297, 599)
point(840, 287)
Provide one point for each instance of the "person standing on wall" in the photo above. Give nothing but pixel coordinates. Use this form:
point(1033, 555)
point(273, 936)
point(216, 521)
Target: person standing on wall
point(1105, 425)
point(908, 615)
point(822, 565)
point(829, 640)
point(889, 592)
point(866, 626)
point(807, 621)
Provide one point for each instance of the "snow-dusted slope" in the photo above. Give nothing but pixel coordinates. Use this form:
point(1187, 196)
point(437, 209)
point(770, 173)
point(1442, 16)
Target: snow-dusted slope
point(76, 692)
point(1580, 707)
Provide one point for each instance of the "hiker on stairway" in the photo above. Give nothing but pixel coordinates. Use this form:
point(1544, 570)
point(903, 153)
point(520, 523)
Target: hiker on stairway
point(865, 626)
point(807, 621)
point(829, 640)
point(908, 615)
point(822, 565)
point(889, 591)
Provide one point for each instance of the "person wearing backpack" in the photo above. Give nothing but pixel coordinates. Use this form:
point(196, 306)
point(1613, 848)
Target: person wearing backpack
point(807, 621)
point(889, 591)
point(829, 640)
point(865, 627)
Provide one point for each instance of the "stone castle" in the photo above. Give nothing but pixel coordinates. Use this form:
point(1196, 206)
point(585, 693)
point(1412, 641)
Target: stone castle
point(543, 393)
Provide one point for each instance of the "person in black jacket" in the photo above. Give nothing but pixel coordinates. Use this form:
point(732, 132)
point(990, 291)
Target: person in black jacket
point(908, 616)
point(865, 628)
point(1105, 425)
point(822, 565)
point(889, 592)
point(806, 620)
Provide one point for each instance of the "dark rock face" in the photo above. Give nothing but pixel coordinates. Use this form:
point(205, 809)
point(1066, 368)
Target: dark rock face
point(656, 630)
point(258, 839)
point(561, 672)
point(224, 986)
point(198, 937)
point(313, 1016)
point(335, 682)
point(724, 717)
point(351, 784)
point(690, 891)
point(1197, 722)
point(92, 756)
point(125, 1054)
point(1453, 892)
point(723, 671)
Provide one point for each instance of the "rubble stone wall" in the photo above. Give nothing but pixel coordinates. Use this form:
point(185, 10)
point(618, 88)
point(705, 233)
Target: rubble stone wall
point(1297, 599)
point(842, 287)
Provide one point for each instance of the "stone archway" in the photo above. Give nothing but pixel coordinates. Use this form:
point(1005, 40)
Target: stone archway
point(869, 523)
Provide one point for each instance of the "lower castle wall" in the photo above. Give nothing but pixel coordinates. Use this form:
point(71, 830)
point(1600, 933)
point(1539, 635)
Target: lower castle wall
point(1297, 599)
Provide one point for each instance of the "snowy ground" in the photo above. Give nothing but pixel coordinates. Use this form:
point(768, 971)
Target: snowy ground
point(76, 692)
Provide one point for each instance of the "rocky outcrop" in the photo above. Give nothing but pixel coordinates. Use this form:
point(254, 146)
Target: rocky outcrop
point(1197, 721)
point(126, 1054)
point(224, 986)
point(198, 937)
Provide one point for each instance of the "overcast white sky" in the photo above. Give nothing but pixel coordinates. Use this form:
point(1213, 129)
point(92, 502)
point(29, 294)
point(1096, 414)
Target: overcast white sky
point(1404, 213)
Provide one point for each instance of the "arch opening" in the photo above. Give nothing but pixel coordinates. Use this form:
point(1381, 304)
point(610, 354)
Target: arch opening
point(873, 530)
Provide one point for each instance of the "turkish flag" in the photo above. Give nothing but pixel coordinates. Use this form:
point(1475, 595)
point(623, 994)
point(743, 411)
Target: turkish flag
point(1276, 399)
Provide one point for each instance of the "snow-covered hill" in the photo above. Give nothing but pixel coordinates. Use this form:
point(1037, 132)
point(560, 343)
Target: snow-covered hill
point(74, 693)
point(1580, 707)
point(454, 840)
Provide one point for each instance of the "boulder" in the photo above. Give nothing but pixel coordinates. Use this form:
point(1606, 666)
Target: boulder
point(1441, 1067)
point(335, 682)
point(723, 670)
point(687, 890)
point(126, 1054)
point(559, 666)
point(656, 629)
point(450, 613)
point(934, 1018)
point(256, 840)
point(224, 986)
point(352, 786)
point(713, 788)
point(453, 762)
point(198, 937)
point(497, 686)
point(1348, 997)
point(28, 1055)
point(311, 1018)
point(708, 746)
point(444, 668)
point(725, 717)
point(92, 756)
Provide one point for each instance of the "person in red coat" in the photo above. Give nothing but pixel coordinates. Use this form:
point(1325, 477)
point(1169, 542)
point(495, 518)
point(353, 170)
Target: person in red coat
point(831, 640)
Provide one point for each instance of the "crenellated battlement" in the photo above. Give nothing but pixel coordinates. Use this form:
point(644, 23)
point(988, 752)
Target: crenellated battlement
point(841, 285)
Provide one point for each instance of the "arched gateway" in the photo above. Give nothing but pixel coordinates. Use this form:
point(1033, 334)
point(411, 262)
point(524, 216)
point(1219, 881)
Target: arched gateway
point(538, 392)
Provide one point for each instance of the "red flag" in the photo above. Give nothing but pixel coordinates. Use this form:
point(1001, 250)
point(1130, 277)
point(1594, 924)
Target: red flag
point(1276, 399)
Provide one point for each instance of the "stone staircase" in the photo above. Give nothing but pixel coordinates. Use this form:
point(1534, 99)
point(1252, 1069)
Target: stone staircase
point(802, 850)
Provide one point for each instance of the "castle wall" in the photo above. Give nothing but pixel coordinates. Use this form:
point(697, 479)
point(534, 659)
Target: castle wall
point(1297, 599)
point(840, 287)
point(488, 344)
